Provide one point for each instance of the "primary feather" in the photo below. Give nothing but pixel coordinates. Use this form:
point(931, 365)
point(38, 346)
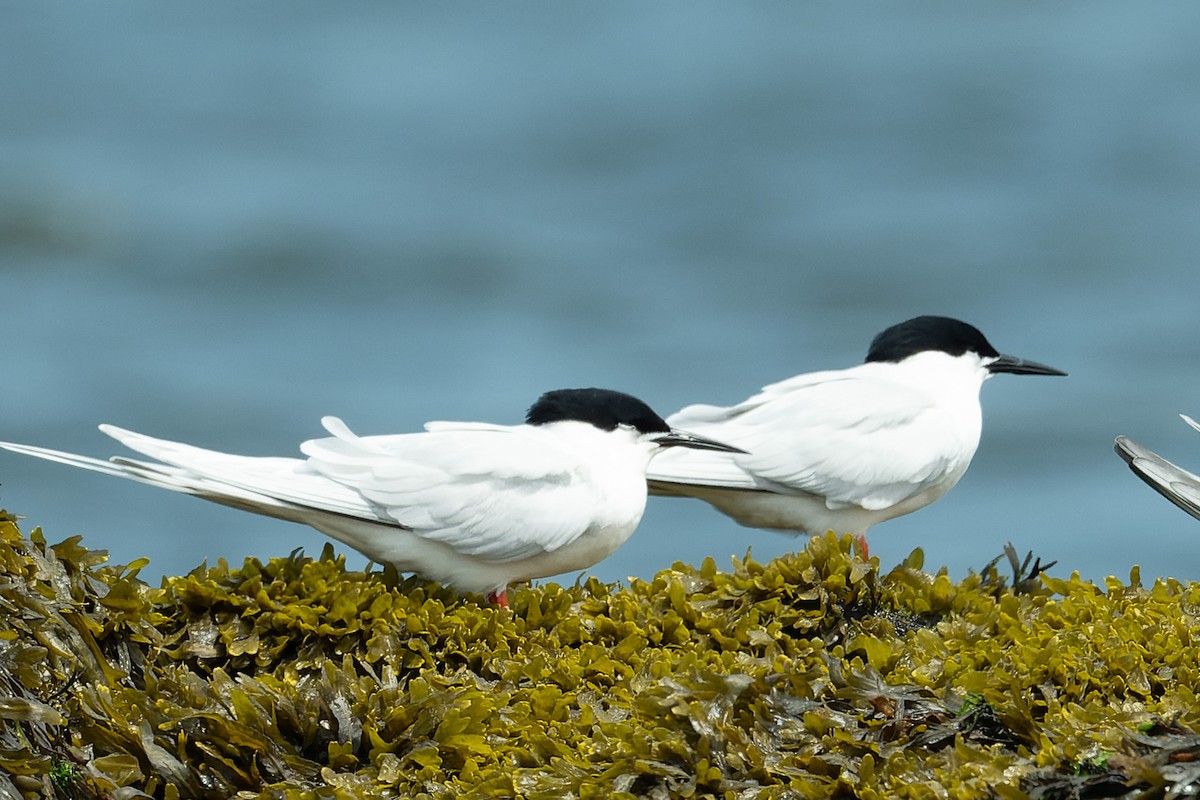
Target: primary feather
point(1174, 483)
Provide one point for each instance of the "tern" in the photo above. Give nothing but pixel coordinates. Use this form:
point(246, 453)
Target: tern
point(1177, 485)
point(472, 505)
point(843, 450)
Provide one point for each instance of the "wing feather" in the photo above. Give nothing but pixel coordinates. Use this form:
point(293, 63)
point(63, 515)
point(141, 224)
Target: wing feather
point(283, 479)
point(1177, 485)
point(497, 492)
point(823, 434)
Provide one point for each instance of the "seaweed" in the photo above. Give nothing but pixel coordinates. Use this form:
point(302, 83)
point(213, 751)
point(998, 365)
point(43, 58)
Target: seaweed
point(813, 675)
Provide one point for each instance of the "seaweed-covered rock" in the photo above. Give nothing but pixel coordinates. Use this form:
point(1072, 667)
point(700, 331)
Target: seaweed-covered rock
point(811, 676)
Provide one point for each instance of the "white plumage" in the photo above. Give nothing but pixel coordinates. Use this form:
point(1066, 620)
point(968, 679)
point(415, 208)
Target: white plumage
point(843, 450)
point(472, 505)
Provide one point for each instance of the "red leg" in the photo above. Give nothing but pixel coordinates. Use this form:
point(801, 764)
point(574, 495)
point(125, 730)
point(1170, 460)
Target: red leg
point(862, 547)
point(500, 598)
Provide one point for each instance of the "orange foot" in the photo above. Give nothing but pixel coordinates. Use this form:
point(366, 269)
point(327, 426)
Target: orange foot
point(862, 547)
point(500, 598)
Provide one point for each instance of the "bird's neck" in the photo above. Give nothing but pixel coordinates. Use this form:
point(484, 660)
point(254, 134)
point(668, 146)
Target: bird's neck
point(953, 377)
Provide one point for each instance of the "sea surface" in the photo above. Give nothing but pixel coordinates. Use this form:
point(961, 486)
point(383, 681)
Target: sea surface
point(219, 222)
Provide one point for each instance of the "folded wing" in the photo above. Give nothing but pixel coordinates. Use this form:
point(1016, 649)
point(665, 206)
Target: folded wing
point(1177, 485)
point(497, 492)
point(820, 434)
point(500, 493)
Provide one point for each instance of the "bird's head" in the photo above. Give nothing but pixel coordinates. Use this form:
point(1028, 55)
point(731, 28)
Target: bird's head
point(952, 337)
point(609, 410)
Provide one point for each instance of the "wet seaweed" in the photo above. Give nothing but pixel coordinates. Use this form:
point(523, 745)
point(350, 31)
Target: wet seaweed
point(813, 675)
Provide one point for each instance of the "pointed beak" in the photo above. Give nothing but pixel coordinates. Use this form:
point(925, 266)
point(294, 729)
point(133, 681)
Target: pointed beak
point(1019, 366)
point(676, 438)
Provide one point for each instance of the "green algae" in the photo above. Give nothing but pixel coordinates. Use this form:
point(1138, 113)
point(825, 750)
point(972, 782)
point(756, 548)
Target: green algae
point(815, 675)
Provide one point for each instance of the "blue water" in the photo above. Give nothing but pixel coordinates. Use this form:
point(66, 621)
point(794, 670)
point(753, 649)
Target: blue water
point(219, 223)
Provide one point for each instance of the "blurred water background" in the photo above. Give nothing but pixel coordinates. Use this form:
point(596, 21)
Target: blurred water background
point(221, 221)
